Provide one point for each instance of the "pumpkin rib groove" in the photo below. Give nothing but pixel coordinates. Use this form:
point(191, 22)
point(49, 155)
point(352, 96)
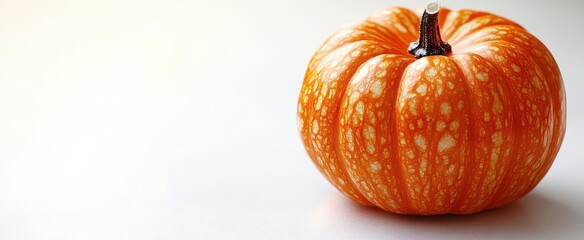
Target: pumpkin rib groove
point(322, 55)
point(355, 33)
point(547, 155)
point(432, 157)
point(382, 36)
point(372, 42)
point(455, 20)
point(461, 25)
point(482, 95)
point(406, 151)
point(476, 39)
point(398, 150)
point(469, 40)
point(362, 88)
point(541, 157)
point(376, 184)
point(337, 135)
point(349, 71)
point(421, 106)
point(351, 34)
point(471, 142)
point(506, 105)
point(467, 34)
point(502, 32)
point(514, 126)
point(558, 130)
point(406, 201)
point(558, 100)
point(396, 169)
point(549, 147)
point(381, 17)
point(388, 36)
point(432, 141)
point(336, 138)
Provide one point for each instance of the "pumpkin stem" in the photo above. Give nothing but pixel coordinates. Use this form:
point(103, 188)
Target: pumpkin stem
point(430, 42)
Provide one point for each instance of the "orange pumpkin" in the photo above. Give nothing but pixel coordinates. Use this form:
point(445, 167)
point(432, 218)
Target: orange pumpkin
point(433, 127)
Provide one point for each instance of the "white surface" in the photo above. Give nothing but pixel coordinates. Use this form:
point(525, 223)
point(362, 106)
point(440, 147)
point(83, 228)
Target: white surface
point(176, 120)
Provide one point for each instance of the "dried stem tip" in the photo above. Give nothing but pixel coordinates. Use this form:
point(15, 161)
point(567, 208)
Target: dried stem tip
point(430, 42)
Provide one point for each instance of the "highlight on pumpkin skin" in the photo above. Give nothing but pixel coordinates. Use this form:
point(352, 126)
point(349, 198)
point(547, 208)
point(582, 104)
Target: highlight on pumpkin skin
point(454, 134)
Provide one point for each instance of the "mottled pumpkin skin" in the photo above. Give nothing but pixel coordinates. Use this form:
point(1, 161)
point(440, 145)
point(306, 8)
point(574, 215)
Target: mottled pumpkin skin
point(473, 130)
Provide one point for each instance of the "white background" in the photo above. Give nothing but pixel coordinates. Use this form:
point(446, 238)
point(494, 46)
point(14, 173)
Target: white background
point(176, 120)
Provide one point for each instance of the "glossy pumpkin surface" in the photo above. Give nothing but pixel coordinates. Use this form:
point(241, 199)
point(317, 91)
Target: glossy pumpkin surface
point(471, 130)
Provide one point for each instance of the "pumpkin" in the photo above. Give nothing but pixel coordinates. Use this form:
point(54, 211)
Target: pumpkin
point(396, 118)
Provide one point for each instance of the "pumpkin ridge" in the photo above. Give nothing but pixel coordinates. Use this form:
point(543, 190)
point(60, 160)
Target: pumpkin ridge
point(477, 38)
point(469, 31)
point(343, 166)
point(545, 157)
point(382, 17)
point(549, 151)
point(426, 102)
point(387, 36)
point(456, 19)
point(395, 160)
point(381, 33)
point(396, 163)
point(369, 41)
point(558, 100)
point(347, 36)
point(557, 132)
point(465, 187)
point(337, 133)
point(515, 144)
point(350, 69)
point(502, 32)
point(350, 34)
point(403, 152)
